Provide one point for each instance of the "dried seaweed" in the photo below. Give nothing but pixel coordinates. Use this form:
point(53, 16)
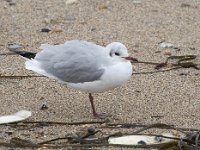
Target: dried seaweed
point(184, 61)
point(88, 139)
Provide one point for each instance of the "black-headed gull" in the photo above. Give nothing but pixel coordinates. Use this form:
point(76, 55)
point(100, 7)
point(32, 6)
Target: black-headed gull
point(83, 65)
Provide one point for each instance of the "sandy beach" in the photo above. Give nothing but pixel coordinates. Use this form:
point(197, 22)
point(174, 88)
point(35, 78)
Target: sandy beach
point(170, 97)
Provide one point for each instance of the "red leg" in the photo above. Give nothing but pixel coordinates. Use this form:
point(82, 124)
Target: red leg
point(98, 115)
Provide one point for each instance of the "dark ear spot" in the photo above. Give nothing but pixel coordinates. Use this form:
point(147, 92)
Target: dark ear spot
point(117, 54)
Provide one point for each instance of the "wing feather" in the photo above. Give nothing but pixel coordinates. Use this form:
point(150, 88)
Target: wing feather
point(74, 61)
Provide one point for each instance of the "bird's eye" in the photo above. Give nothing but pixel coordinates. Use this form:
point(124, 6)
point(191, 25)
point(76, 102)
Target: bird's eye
point(117, 54)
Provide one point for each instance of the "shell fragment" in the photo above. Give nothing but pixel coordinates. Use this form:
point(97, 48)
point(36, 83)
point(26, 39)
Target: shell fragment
point(166, 45)
point(140, 139)
point(17, 117)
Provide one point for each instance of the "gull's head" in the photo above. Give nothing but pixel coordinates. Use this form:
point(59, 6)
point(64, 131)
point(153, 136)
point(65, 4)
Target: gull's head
point(119, 51)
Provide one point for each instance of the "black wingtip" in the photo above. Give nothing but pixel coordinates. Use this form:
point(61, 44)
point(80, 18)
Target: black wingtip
point(29, 55)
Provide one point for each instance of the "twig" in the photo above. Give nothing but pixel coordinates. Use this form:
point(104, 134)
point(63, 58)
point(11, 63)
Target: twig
point(52, 140)
point(132, 125)
point(157, 71)
point(59, 123)
point(157, 125)
point(147, 62)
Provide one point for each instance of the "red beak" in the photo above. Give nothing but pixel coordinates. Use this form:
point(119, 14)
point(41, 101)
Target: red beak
point(131, 59)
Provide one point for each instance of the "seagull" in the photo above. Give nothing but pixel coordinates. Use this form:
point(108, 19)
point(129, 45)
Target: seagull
point(83, 65)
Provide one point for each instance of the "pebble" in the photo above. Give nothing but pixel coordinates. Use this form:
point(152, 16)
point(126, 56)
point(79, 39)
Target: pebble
point(102, 7)
point(142, 143)
point(93, 29)
point(41, 98)
point(185, 5)
point(12, 3)
point(13, 47)
point(158, 139)
point(177, 49)
point(192, 48)
point(183, 74)
point(91, 130)
point(137, 2)
point(157, 51)
point(166, 45)
point(45, 30)
point(9, 132)
point(138, 91)
point(70, 2)
point(167, 53)
point(44, 107)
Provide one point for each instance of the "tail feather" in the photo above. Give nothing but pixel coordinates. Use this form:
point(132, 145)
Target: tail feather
point(32, 64)
point(29, 55)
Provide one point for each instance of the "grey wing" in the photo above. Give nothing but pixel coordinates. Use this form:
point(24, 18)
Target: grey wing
point(73, 62)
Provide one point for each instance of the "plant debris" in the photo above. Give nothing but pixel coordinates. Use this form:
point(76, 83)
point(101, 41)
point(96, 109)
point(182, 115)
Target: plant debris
point(179, 138)
point(184, 61)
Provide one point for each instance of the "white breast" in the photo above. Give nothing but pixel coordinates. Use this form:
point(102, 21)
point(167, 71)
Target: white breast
point(114, 76)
